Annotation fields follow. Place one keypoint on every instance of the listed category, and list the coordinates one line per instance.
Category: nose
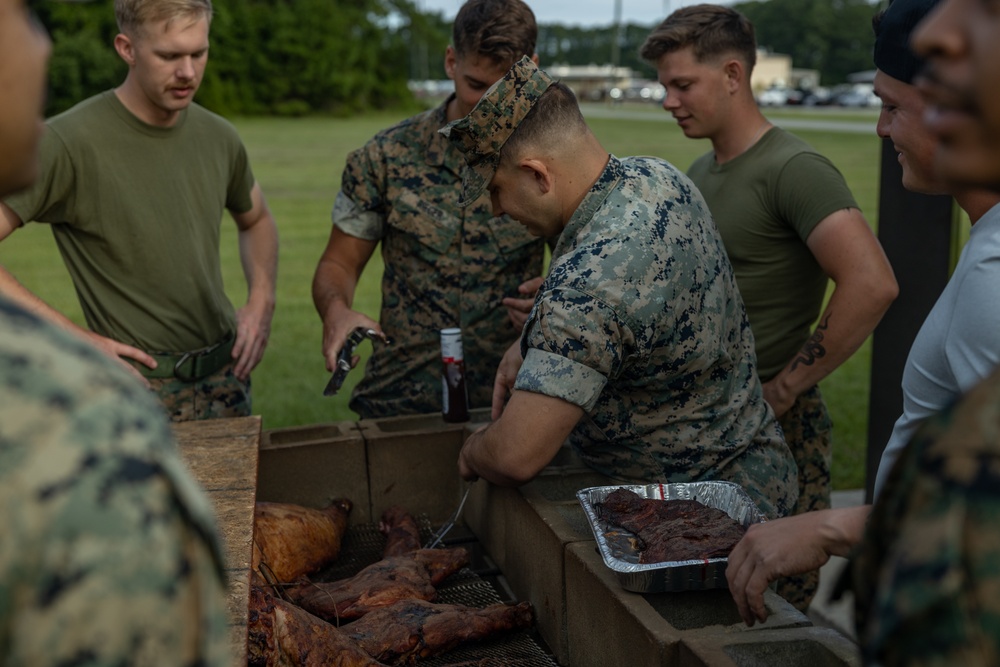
(185, 68)
(883, 124)
(670, 102)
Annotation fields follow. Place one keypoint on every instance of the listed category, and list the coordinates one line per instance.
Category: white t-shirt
(958, 344)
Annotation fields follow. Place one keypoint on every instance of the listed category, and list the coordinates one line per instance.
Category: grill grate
(363, 545)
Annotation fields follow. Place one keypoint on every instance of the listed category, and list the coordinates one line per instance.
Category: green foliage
(832, 36)
(273, 57)
(83, 60)
(341, 57)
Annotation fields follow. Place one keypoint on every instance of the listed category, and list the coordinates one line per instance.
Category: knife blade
(346, 354)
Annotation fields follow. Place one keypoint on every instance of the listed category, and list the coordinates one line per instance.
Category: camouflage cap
(482, 134)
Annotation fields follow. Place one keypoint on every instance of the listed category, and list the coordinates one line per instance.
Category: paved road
(863, 125)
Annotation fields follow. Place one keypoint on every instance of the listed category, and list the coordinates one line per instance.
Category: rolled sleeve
(350, 219)
(554, 375)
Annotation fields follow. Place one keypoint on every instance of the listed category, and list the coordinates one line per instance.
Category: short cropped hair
(133, 15)
(555, 115)
(712, 31)
(501, 30)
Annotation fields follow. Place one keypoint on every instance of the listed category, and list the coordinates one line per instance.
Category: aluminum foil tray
(616, 544)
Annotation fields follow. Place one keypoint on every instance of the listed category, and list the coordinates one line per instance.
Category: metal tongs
(347, 354)
(450, 523)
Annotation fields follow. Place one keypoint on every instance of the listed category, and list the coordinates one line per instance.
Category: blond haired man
(134, 182)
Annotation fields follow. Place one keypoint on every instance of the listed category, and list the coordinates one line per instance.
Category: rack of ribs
(671, 530)
(410, 629)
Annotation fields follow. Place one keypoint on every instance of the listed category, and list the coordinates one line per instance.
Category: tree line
(340, 57)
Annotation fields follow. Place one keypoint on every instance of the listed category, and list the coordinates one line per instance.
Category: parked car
(776, 96)
(859, 95)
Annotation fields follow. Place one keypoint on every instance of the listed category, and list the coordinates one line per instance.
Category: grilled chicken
(282, 635)
(410, 629)
(402, 535)
(672, 530)
(380, 584)
(291, 541)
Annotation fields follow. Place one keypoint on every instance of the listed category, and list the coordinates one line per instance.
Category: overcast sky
(582, 12)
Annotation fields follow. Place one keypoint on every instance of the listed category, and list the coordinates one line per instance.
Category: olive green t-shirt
(765, 203)
(136, 212)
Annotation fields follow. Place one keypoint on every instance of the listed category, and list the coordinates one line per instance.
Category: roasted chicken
(291, 541)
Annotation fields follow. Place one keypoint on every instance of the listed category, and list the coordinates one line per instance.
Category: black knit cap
(892, 38)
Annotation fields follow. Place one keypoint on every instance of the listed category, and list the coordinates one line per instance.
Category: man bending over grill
(637, 348)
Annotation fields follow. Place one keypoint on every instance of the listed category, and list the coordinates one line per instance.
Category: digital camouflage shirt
(445, 266)
(927, 573)
(109, 554)
(639, 322)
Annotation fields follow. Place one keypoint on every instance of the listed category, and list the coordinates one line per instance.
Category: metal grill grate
(363, 545)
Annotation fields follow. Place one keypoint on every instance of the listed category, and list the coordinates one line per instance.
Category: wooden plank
(222, 455)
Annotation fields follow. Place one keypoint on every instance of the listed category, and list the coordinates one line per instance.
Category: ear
(125, 48)
(450, 59)
(540, 172)
(734, 71)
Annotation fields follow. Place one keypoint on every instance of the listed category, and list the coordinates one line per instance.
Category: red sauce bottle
(455, 393)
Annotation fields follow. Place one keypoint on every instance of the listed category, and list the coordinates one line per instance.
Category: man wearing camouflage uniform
(445, 265)
(637, 348)
(109, 554)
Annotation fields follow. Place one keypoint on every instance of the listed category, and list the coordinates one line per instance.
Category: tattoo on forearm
(813, 349)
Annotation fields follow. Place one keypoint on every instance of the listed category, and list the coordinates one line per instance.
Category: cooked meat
(672, 530)
(282, 635)
(380, 584)
(410, 629)
(441, 563)
(291, 541)
(402, 535)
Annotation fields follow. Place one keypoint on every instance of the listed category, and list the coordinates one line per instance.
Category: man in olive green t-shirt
(789, 223)
(134, 183)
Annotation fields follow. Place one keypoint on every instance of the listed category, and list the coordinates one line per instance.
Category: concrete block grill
(533, 543)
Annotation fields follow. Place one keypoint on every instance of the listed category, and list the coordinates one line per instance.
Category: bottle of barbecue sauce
(455, 393)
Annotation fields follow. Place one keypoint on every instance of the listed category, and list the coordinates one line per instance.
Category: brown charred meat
(441, 563)
(672, 530)
(291, 541)
(379, 585)
(282, 635)
(402, 535)
(410, 629)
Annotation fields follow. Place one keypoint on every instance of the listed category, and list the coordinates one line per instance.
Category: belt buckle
(187, 356)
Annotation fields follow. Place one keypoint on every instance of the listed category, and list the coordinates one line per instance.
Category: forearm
(523, 440)
(259, 258)
(333, 288)
(482, 456)
(848, 319)
(842, 529)
(15, 291)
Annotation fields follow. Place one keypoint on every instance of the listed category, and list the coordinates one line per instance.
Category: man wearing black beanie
(918, 533)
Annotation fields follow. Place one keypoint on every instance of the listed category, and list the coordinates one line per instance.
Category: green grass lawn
(298, 162)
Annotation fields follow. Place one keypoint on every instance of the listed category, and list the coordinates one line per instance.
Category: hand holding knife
(346, 355)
